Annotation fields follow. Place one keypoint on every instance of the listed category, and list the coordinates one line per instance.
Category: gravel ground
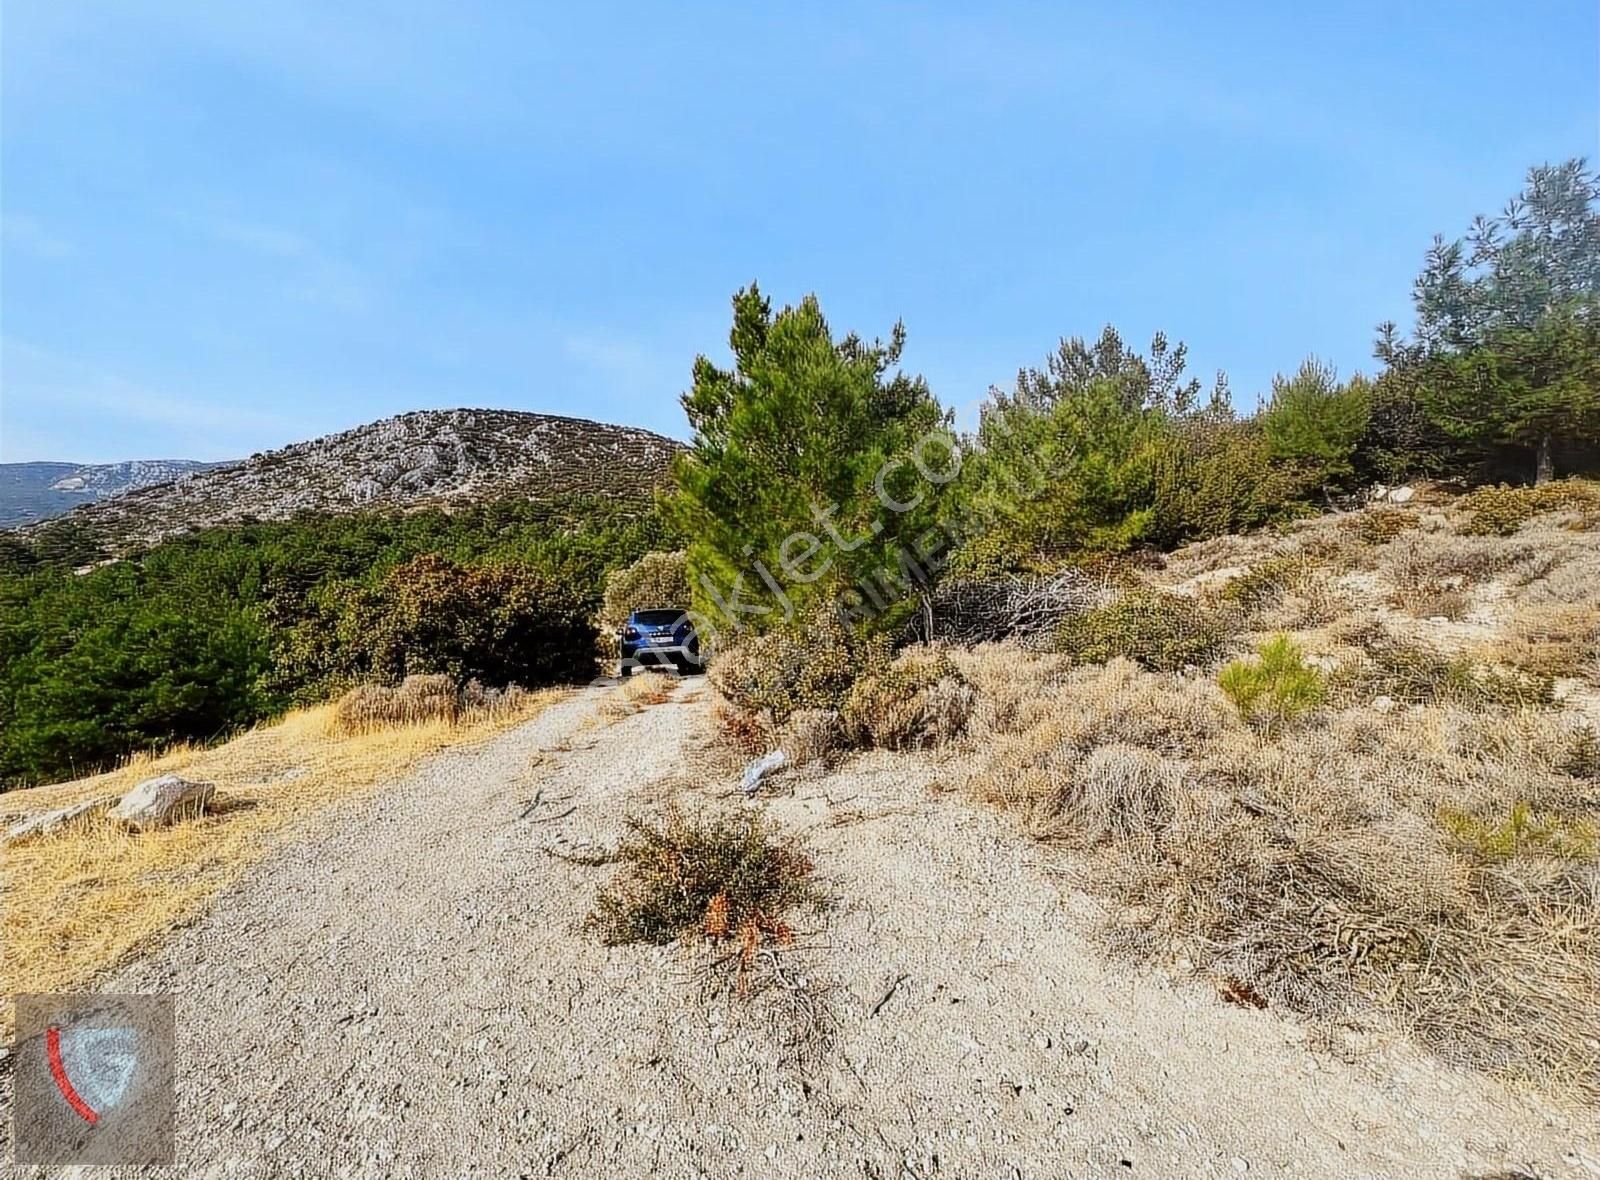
(410, 992)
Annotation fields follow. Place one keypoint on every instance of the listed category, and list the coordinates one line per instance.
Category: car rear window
(657, 618)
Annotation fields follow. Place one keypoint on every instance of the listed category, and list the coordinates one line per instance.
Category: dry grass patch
(1426, 562)
(1433, 867)
(80, 901)
(1553, 641)
(424, 700)
(1413, 672)
(637, 692)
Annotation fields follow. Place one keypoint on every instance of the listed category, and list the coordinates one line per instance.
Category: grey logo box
(92, 1079)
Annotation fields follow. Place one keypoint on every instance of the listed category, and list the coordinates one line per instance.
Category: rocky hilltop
(424, 458)
(31, 492)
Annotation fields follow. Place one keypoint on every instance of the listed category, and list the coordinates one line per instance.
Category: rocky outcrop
(425, 458)
(159, 801)
(53, 821)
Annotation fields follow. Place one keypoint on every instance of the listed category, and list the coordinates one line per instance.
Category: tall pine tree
(817, 475)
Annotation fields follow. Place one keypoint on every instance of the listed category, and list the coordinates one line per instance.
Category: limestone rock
(158, 801)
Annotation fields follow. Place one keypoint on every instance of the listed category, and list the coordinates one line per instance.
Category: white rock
(50, 821)
(1401, 495)
(1383, 704)
(157, 800)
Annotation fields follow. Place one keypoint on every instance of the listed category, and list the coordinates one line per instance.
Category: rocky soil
(411, 992)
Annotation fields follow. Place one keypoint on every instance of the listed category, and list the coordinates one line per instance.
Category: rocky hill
(31, 492)
(424, 458)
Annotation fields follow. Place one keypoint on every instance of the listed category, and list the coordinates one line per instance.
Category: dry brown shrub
(811, 737)
(919, 699)
(1004, 678)
(1315, 602)
(1316, 868)
(1553, 640)
(709, 876)
(812, 666)
(745, 731)
(1423, 562)
(1379, 524)
(1436, 602)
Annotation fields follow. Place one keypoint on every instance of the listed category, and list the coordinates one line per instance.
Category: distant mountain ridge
(31, 492)
(423, 458)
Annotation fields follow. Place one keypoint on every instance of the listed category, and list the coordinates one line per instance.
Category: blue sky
(228, 227)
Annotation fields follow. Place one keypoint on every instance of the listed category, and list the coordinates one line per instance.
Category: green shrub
(1315, 423)
(1265, 584)
(1523, 831)
(717, 877)
(1417, 674)
(655, 580)
(1212, 478)
(1379, 526)
(812, 666)
(1163, 632)
(1500, 511)
(1277, 686)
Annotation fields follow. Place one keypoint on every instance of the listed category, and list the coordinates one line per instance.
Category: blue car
(659, 638)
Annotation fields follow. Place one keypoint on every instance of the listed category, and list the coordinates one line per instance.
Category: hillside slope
(383, 1018)
(427, 457)
(32, 492)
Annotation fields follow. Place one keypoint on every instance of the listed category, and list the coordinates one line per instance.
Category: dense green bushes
(200, 636)
(96, 667)
(499, 623)
(1163, 632)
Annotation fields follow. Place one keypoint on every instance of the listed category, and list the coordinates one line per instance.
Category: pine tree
(816, 475)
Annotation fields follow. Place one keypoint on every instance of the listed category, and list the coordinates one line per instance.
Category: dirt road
(410, 992)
